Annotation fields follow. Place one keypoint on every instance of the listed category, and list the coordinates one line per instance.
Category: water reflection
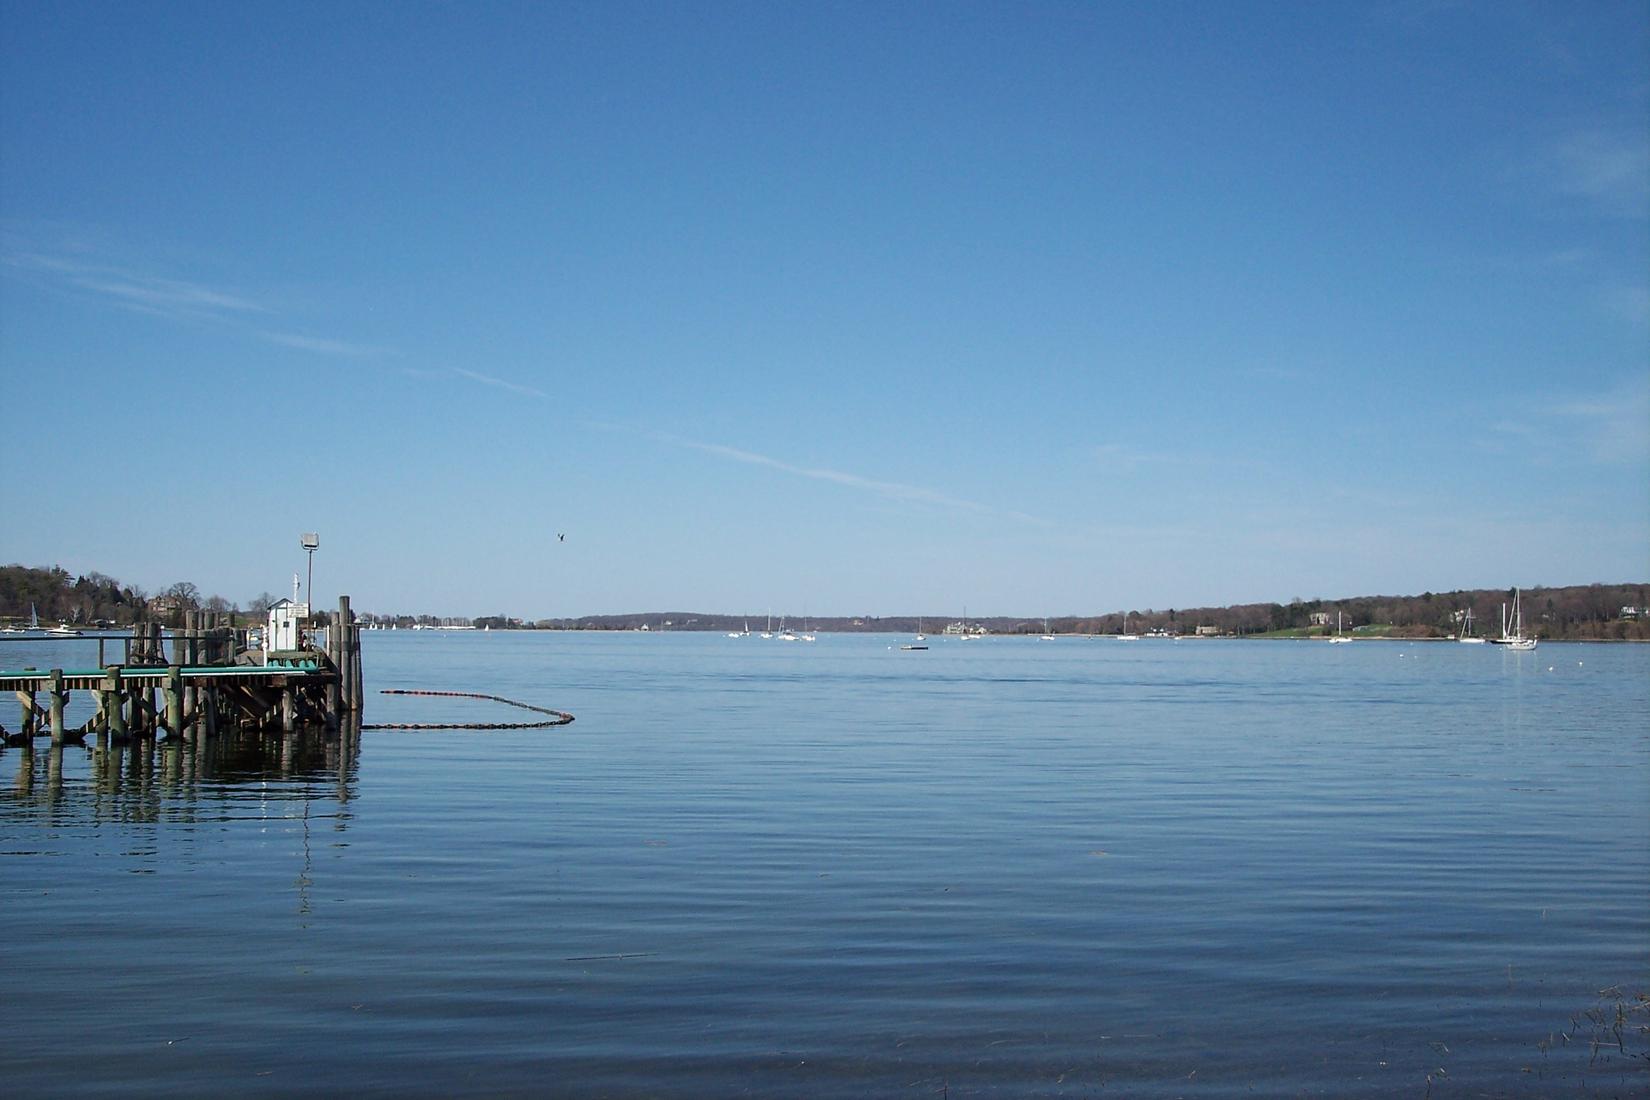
(150, 779)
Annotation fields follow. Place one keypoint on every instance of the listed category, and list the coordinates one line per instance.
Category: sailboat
(1512, 627)
(920, 637)
(745, 633)
(1467, 636)
(1126, 636)
(1339, 637)
(1047, 637)
(768, 632)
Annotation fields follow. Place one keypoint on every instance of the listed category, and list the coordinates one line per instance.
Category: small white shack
(286, 618)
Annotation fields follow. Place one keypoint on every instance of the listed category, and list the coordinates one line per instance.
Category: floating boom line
(557, 717)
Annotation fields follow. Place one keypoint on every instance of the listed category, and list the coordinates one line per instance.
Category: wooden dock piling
(114, 703)
(198, 683)
(56, 700)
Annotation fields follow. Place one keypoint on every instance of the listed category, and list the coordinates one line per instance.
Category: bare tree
(185, 593)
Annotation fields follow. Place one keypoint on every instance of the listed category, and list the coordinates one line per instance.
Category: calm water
(996, 868)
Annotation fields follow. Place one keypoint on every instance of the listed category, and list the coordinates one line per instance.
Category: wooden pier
(208, 682)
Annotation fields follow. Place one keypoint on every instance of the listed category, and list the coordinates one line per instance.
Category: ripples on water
(1010, 867)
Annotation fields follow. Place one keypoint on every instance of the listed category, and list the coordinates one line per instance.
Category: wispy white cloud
(1608, 171)
(1610, 427)
(890, 490)
(85, 270)
(137, 290)
(324, 346)
(1613, 426)
(500, 383)
(1116, 456)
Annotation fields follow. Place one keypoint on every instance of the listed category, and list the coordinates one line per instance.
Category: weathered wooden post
(355, 666)
(114, 703)
(57, 698)
(174, 700)
(346, 686)
(188, 655)
(25, 697)
(334, 690)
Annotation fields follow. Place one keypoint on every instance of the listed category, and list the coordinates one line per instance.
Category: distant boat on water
(1125, 636)
(1512, 626)
(1339, 637)
(1047, 637)
(64, 630)
(1467, 636)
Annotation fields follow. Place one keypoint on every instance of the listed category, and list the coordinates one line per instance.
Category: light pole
(310, 542)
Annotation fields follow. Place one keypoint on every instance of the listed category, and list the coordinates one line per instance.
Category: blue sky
(834, 309)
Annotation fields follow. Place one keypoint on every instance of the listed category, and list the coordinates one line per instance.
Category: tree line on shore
(1575, 612)
(1605, 612)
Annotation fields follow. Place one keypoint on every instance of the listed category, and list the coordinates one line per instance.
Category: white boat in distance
(1339, 637)
(1126, 636)
(1512, 627)
(1467, 636)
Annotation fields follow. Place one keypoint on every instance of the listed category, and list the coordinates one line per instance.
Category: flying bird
(561, 537)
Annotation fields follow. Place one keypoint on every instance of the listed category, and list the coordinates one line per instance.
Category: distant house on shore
(1320, 618)
(167, 605)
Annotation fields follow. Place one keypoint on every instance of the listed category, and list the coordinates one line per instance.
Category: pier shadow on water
(148, 779)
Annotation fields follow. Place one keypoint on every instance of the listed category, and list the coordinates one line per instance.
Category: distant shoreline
(1591, 612)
